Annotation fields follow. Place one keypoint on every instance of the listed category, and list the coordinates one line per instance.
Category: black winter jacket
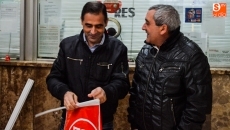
(172, 87)
(79, 70)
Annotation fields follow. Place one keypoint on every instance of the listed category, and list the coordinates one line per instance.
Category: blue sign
(193, 15)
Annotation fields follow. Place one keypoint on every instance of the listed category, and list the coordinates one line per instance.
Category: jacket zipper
(148, 84)
(172, 109)
(80, 60)
(104, 64)
(145, 95)
(168, 68)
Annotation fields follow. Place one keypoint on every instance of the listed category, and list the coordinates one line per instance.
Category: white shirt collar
(101, 43)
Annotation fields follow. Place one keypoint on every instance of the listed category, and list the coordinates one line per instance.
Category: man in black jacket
(91, 65)
(172, 84)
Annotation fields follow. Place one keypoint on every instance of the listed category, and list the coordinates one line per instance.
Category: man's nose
(93, 30)
(143, 27)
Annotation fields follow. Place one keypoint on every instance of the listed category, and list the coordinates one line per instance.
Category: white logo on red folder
(87, 122)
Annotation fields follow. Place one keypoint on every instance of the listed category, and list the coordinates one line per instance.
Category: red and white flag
(86, 117)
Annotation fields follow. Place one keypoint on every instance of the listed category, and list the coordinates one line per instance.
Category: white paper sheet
(50, 12)
(48, 40)
(9, 16)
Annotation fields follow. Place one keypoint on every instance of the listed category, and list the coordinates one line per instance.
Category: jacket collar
(81, 38)
(171, 41)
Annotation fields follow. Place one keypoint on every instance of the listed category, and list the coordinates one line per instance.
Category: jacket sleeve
(56, 80)
(198, 82)
(119, 83)
(132, 103)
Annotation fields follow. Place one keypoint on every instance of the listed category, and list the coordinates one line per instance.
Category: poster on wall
(49, 28)
(9, 16)
(48, 40)
(50, 12)
(219, 57)
(193, 15)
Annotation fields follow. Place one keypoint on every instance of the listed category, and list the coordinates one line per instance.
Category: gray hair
(166, 14)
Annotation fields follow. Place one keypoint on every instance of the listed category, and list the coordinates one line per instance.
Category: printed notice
(219, 57)
(193, 15)
(50, 12)
(9, 16)
(48, 40)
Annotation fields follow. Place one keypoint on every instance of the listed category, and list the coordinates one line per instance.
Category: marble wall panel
(13, 77)
(43, 101)
(120, 117)
(221, 102)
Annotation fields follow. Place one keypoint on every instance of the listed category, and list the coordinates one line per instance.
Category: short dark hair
(94, 7)
(111, 31)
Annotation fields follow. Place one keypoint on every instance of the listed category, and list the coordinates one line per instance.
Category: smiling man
(91, 65)
(172, 84)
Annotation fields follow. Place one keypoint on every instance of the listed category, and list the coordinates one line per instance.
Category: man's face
(152, 30)
(94, 27)
(190, 15)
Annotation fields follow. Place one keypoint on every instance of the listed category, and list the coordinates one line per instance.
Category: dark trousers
(106, 126)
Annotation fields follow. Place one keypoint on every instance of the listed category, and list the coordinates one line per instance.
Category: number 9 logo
(216, 7)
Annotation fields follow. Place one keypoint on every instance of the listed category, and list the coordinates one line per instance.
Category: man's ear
(163, 29)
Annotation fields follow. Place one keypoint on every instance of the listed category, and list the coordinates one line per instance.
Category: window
(10, 28)
(61, 18)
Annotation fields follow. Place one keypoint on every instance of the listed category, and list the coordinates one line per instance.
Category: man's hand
(70, 100)
(98, 93)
